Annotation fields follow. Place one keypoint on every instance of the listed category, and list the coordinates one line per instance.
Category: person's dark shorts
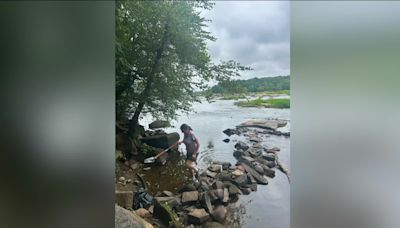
(190, 158)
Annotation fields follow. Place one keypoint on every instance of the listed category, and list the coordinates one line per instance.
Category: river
(269, 206)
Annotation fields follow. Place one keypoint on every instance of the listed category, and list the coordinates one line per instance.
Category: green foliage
(279, 83)
(162, 57)
(270, 103)
(146, 150)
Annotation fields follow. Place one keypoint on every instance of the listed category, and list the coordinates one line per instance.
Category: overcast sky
(254, 33)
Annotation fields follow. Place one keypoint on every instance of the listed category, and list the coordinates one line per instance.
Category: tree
(162, 57)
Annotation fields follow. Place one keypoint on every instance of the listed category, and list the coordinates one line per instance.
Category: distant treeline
(254, 85)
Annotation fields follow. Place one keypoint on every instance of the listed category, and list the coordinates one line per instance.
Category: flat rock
(124, 199)
(240, 180)
(269, 172)
(269, 157)
(225, 176)
(206, 202)
(188, 197)
(247, 158)
(216, 194)
(211, 174)
(255, 139)
(226, 196)
(259, 178)
(241, 145)
(163, 199)
(198, 216)
(215, 168)
(265, 124)
(217, 185)
(167, 193)
(237, 172)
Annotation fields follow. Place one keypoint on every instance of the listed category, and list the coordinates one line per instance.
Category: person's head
(186, 128)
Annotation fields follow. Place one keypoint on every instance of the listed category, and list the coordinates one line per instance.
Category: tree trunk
(133, 123)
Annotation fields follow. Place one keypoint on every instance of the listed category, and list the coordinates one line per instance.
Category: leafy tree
(162, 57)
(254, 85)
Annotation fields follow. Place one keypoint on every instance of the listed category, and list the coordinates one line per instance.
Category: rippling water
(270, 205)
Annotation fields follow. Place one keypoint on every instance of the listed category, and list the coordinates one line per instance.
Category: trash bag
(142, 199)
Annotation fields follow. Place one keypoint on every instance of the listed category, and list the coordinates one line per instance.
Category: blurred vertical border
(345, 113)
(57, 114)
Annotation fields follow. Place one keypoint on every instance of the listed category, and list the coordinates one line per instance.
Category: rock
(176, 202)
(271, 164)
(225, 176)
(187, 188)
(257, 167)
(230, 131)
(255, 152)
(259, 178)
(128, 181)
(143, 213)
(246, 191)
(238, 153)
(215, 168)
(226, 196)
(217, 185)
(265, 124)
(219, 213)
(124, 199)
(247, 158)
(234, 190)
(189, 197)
(165, 214)
(213, 225)
(240, 180)
(273, 150)
(162, 199)
(226, 165)
(161, 141)
(255, 139)
(253, 182)
(257, 146)
(198, 216)
(226, 140)
(137, 182)
(206, 202)
(241, 145)
(269, 172)
(237, 172)
(287, 134)
(190, 226)
(240, 167)
(167, 193)
(127, 219)
(269, 157)
(146, 168)
(159, 124)
(216, 194)
(211, 174)
(151, 209)
(121, 179)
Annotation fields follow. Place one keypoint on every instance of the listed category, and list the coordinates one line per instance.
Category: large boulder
(124, 199)
(127, 219)
(161, 141)
(265, 124)
(159, 124)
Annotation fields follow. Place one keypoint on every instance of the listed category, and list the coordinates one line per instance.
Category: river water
(269, 206)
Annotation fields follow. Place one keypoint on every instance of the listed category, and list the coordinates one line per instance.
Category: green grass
(232, 97)
(270, 103)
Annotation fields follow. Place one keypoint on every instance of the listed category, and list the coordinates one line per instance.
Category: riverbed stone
(234, 190)
(206, 202)
(240, 180)
(189, 197)
(237, 173)
(215, 168)
(269, 172)
(162, 199)
(126, 219)
(167, 193)
(219, 213)
(198, 216)
(247, 158)
(226, 140)
(269, 157)
(211, 174)
(217, 185)
(255, 139)
(241, 145)
(246, 191)
(226, 196)
(124, 199)
(225, 176)
(230, 131)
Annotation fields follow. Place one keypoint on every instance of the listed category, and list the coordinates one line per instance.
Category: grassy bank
(270, 103)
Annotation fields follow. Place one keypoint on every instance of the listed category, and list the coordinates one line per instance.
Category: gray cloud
(254, 33)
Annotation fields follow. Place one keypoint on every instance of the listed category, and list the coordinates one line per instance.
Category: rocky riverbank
(207, 203)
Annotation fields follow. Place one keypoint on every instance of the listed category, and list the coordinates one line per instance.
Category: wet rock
(230, 131)
(252, 181)
(271, 164)
(247, 158)
(269, 157)
(255, 139)
(146, 168)
(269, 172)
(219, 213)
(189, 197)
(127, 219)
(143, 213)
(240, 167)
(124, 199)
(238, 153)
(213, 225)
(259, 178)
(265, 124)
(257, 146)
(159, 124)
(216, 194)
(258, 168)
(215, 168)
(255, 152)
(226, 165)
(241, 145)
(246, 191)
(226, 140)
(167, 193)
(273, 150)
(240, 180)
(198, 216)
(287, 134)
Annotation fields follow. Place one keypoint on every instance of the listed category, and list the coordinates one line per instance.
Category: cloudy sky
(254, 33)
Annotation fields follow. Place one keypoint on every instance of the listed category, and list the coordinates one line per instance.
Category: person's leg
(189, 164)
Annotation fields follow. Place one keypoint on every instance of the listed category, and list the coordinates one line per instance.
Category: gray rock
(240, 180)
(159, 124)
(198, 216)
(143, 213)
(217, 185)
(241, 145)
(127, 219)
(234, 190)
(246, 191)
(226, 196)
(146, 168)
(215, 168)
(162, 199)
(225, 176)
(247, 158)
(216, 194)
(255, 139)
(121, 179)
(255, 152)
(219, 213)
(269, 172)
(259, 178)
(226, 140)
(167, 193)
(269, 157)
(124, 199)
(206, 202)
(211, 174)
(187, 188)
(230, 131)
(238, 153)
(189, 197)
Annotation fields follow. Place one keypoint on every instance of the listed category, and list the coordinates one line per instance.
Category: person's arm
(197, 144)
